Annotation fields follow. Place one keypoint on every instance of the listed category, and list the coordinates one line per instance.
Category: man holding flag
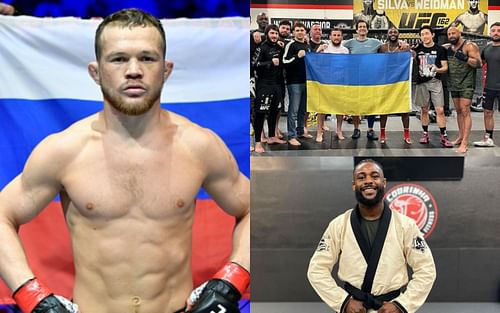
(334, 46)
(359, 83)
(393, 45)
(363, 44)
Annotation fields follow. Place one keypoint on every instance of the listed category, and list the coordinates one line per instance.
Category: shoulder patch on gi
(323, 246)
(419, 244)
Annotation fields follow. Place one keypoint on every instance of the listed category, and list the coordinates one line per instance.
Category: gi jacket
(403, 245)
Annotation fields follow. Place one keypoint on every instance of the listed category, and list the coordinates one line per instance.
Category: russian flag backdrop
(45, 87)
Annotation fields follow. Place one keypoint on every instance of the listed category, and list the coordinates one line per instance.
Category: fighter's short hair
(128, 18)
(299, 24)
(286, 22)
(271, 27)
(425, 27)
(364, 161)
(336, 29)
(495, 24)
(362, 21)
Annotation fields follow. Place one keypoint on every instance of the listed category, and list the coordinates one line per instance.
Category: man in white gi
(373, 246)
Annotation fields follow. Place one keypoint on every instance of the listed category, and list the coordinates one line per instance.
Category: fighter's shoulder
(403, 220)
(383, 47)
(61, 147)
(195, 136)
(341, 220)
(459, 18)
(471, 45)
(80, 132)
(347, 42)
(487, 48)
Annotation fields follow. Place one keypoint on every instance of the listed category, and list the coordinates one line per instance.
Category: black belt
(370, 301)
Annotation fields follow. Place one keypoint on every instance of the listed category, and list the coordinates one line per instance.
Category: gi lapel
(372, 256)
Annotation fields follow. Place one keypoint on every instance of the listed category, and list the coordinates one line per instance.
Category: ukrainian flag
(359, 84)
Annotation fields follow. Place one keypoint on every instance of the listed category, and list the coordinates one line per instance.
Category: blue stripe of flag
(24, 123)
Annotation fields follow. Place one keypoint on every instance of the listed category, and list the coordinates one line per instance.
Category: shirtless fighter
(128, 178)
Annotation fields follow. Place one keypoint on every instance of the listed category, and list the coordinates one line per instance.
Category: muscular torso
(473, 23)
(129, 207)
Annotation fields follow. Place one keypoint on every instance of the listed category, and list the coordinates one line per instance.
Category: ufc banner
(468, 15)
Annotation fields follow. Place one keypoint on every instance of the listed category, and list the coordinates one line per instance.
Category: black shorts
(489, 98)
(268, 97)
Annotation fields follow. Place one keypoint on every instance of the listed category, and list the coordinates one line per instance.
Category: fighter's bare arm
(21, 200)
(231, 190)
(474, 55)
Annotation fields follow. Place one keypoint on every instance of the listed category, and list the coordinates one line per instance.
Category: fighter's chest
(155, 184)
(475, 21)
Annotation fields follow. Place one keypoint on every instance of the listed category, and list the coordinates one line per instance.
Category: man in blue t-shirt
(363, 44)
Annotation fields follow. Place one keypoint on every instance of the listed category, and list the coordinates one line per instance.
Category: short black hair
(271, 27)
(393, 27)
(336, 29)
(128, 18)
(362, 21)
(286, 22)
(495, 24)
(425, 27)
(364, 161)
(299, 24)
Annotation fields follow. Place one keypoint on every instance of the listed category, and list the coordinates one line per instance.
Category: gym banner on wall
(308, 22)
(469, 15)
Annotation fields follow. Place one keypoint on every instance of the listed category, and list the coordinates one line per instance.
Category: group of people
(278, 61)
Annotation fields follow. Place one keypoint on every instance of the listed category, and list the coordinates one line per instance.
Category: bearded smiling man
(128, 177)
(372, 246)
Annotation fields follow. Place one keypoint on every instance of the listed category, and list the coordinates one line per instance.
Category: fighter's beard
(370, 202)
(120, 104)
(495, 39)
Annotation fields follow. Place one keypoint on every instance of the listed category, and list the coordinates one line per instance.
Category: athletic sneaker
(356, 134)
(371, 135)
(382, 138)
(424, 139)
(486, 142)
(445, 142)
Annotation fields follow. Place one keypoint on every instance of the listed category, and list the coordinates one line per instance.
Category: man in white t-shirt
(333, 46)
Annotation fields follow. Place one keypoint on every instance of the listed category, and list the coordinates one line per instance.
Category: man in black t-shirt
(432, 62)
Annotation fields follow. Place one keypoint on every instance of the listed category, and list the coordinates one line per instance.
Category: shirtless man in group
(128, 177)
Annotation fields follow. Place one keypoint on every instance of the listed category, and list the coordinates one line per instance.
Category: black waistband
(370, 301)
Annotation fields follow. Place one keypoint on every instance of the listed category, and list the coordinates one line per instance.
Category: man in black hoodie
(269, 70)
